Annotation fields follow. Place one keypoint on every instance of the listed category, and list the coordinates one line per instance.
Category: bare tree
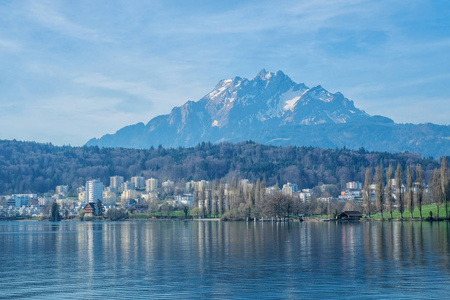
(214, 198)
(366, 191)
(409, 191)
(419, 193)
(220, 197)
(399, 191)
(389, 190)
(279, 205)
(444, 184)
(379, 197)
(436, 190)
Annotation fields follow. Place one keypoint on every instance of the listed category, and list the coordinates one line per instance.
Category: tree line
(29, 167)
(407, 194)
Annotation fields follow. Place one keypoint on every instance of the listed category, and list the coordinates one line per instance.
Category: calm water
(163, 259)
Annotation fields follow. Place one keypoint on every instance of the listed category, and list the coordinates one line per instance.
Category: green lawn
(173, 214)
(407, 215)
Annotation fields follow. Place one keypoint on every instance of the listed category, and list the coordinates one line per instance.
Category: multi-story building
(138, 181)
(94, 191)
(23, 199)
(116, 182)
(185, 199)
(62, 189)
(289, 189)
(109, 198)
(306, 195)
(272, 190)
(128, 185)
(189, 186)
(168, 186)
(151, 185)
(353, 185)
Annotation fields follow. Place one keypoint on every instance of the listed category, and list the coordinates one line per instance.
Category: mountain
(272, 109)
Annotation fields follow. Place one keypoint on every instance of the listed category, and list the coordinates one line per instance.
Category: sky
(74, 70)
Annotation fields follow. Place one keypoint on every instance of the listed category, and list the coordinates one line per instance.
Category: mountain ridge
(273, 109)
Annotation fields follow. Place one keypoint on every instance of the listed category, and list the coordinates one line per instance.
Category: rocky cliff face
(273, 109)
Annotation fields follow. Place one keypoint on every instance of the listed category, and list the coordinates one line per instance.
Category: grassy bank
(407, 215)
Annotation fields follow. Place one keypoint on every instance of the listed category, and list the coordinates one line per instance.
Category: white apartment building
(168, 185)
(151, 185)
(139, 181)
(116, 182)
(353, 185)
(23, 199)
(94, 191)
(289, 189)
(109, 198)
(128, 185)
(62, 189)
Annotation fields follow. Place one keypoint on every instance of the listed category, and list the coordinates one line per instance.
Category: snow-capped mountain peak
(274, 96)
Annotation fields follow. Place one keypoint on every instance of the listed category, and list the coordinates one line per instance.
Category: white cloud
(130, 61)
(139, 89)
(46, 14)
(10, 45)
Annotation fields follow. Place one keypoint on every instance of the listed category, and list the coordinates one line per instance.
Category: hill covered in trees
(33, 167)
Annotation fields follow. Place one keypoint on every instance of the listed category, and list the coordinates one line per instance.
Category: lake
(213, 259)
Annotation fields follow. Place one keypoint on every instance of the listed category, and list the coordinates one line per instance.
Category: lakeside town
(140, 195)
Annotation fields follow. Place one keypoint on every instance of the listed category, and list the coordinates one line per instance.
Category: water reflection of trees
(406, 243)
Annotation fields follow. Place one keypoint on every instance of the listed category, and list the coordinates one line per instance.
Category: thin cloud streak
(126, 62)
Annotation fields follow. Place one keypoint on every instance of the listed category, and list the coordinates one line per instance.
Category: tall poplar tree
(220, 197)
(419, 193)
(379, 197)
(399, 191)
(409, 191)
(214, 198)
(436, 190)
(444, 184)
(389, 190)
(366, 191)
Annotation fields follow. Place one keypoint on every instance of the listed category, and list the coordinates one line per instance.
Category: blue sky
(73, 70)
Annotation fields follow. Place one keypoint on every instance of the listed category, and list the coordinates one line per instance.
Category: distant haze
(73, 70)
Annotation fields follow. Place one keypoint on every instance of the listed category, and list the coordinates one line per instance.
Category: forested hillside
(33, 167)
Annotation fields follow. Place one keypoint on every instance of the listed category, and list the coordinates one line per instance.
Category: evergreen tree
(54, 214)
(100, 208)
